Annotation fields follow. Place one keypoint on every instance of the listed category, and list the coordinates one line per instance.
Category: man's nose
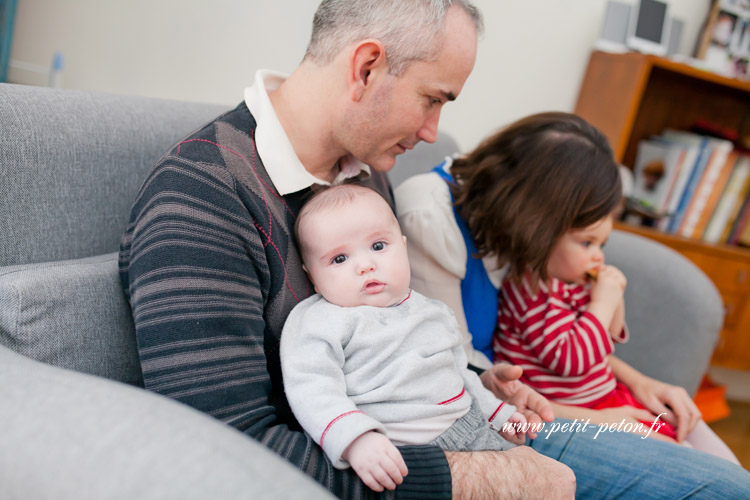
(428, 131)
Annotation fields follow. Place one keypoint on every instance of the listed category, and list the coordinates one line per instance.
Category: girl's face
(578, 251)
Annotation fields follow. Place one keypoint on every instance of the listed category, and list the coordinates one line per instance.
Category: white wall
(532, 57)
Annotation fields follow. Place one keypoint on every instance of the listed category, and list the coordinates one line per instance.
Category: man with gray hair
(211, 270)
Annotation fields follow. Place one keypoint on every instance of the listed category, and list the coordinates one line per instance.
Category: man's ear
(367, 59)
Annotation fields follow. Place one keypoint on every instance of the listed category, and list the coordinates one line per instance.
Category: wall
(532, 57)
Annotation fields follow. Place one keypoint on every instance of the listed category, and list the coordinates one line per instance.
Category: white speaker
(675, 33)
(614, 28)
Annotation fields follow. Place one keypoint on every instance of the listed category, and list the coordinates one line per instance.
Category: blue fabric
(479, 295)
(624, 466)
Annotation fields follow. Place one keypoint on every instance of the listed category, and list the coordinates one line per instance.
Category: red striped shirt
(561, 347)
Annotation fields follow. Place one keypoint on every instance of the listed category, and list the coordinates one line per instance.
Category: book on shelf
(716, 164)
(730, 203)
(743, 238)
(696, 186)
(740, 222)
(679, 183)
(690, 197)
(714, 195)
(655, 173)
(735, 213)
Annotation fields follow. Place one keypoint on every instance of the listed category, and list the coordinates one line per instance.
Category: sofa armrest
(70, 435)
(673, 310)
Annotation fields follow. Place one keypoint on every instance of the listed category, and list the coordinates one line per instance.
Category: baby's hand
(513, 429)
(609, 286)
(377, 462)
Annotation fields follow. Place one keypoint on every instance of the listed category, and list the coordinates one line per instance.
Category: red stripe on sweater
(454, 398)
(405, 298)
(333, 422)
(492, 417)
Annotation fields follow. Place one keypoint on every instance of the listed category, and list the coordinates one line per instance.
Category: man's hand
(377, 462)
(502, 380)
(519, 473)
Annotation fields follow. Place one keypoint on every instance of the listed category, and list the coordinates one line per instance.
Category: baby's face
(356, 255)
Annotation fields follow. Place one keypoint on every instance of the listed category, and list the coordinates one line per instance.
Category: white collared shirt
(282, 164)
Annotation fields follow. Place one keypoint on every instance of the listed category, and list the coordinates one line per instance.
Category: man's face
(398, 112)
(356, 255)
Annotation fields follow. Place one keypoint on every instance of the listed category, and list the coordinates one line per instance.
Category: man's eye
(339, 259)
(378, 246)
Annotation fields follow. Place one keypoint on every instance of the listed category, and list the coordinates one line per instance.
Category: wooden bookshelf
(632, 96)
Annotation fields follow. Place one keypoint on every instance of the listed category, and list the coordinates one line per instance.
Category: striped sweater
(211, 271)
(561, 347)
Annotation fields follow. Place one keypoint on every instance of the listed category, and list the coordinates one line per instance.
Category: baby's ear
(404, 237)
(304, 268)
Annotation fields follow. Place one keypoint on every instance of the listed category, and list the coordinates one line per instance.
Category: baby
(369, 364)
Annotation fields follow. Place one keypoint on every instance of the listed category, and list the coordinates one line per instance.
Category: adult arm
(519, 473)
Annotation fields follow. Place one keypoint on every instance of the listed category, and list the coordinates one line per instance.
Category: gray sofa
(75, 422)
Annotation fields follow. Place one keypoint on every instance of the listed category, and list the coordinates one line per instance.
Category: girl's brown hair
(527, 185)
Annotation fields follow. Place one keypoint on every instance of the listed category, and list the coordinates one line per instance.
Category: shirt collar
(281, 162)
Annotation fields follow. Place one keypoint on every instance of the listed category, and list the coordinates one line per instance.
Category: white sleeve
(437, 252)
(312, 361)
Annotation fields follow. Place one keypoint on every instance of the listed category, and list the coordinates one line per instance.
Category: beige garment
(437, 253)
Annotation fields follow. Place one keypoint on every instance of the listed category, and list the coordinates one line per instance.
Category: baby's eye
(339, 259)
(586, 244)
(378, 246)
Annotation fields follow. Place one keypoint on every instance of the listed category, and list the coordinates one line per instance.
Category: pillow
(72, 314)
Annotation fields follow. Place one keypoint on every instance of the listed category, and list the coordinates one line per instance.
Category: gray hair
(408, 29)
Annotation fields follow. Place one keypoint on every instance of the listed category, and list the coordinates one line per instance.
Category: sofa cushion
(71, 314)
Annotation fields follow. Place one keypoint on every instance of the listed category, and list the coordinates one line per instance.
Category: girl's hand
(660, 397)
(607, 293)
(609, 287)
(631, 415)
(377, 462)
